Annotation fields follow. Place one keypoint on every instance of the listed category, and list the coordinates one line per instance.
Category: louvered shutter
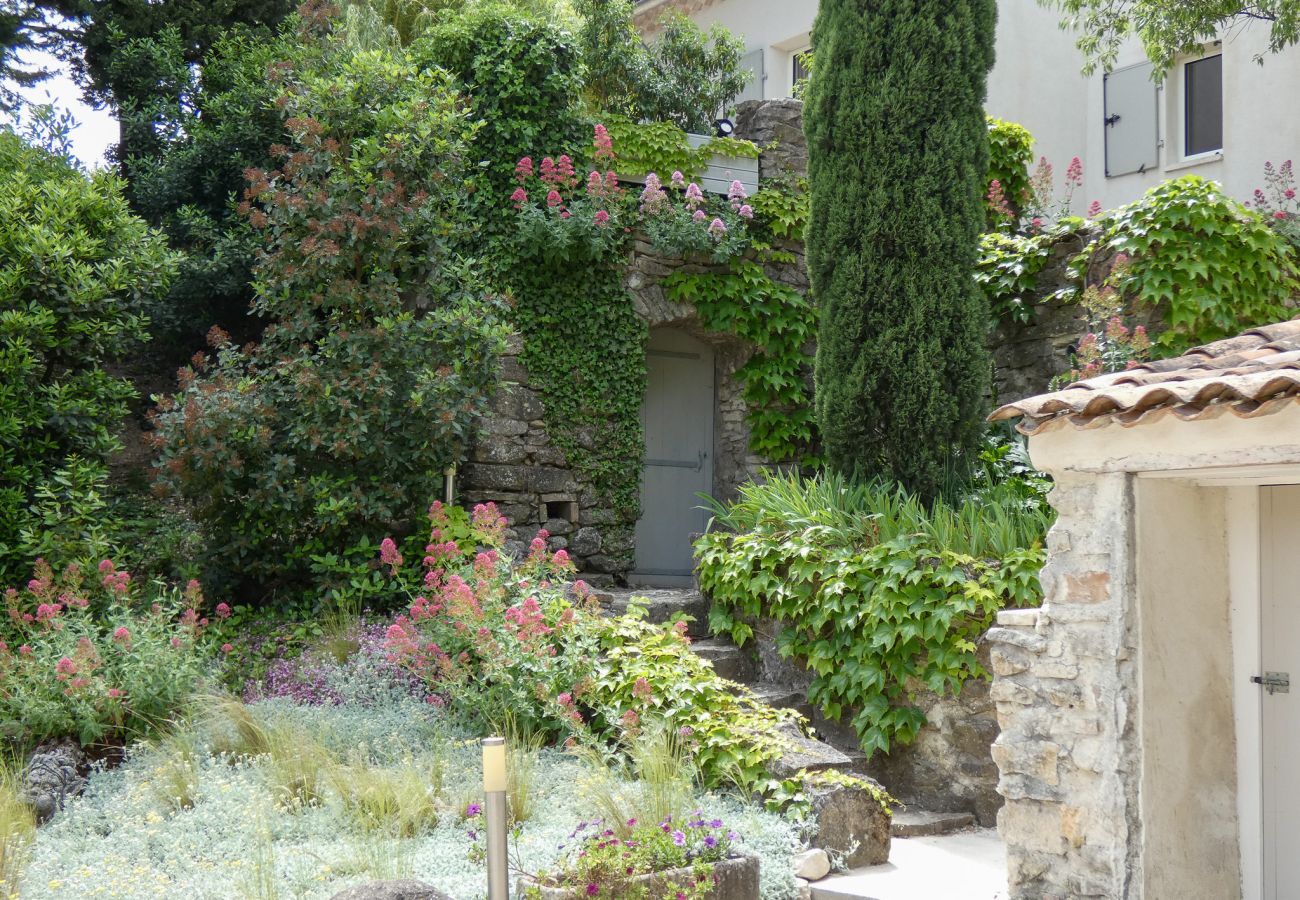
(752, 62)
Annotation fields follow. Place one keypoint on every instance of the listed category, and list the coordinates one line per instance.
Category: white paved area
(968, 865)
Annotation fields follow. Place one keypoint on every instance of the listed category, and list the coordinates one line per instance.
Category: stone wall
(1065, 690)
(516, 464)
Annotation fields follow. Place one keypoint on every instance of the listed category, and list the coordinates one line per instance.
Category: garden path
(967, 865)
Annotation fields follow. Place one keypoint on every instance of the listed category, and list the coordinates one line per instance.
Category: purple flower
(472, 810)
(746, 211)
(678, 179)
(699, 215)
(694, 196)
(710, 841)
(717, 228)
(716, 823)
(679, 838)
(593, 890)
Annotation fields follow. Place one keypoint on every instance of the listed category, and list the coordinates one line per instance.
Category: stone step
(923, 823)
(661, 605)
(727, 659)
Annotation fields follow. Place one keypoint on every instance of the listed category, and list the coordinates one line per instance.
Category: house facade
(1148, 723)
(1218, 114)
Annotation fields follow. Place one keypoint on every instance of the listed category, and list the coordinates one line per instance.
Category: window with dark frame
(1203, 106)
(798, 71)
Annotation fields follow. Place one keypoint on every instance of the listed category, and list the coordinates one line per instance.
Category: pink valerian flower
(115, 693)
(65, 667)
(47, 612)
(548, 170)
(519, 197)
(678, 180)
(603, 144)
(223, 611)
(595, 184)
(600, 218)
(564, 171)
(24, 650)
(489, 522)
(121, 635)
(699, 216)
(642, 690)
(997, 200)
(560, 560)
(1094, 209)
(736, 195)
(389, 554)
(717, 228)
(746, 211)
(694, 196)
(565, 700)
(227, 648)
(1074, 172)
(106, 567)
(553, 199)
(653, 197)
(524, 169)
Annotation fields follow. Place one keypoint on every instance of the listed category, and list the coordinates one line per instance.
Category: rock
(51, 776)
(802, 891)
(405, 889)
(849, 822)
(805, 754)
(811, 865)
(586, 542)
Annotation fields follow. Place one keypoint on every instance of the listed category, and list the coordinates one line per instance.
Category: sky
(96, 129)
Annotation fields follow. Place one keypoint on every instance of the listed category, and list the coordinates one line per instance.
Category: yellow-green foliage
(400, 800)
(17, 831)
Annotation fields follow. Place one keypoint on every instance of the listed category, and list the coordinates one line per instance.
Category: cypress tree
(897, 153)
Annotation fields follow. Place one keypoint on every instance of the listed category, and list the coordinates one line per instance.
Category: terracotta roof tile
(1253, 374)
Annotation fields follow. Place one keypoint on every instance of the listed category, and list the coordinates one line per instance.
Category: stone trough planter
(734, 879)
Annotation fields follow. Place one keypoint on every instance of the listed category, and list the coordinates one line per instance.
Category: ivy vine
(780, 322)
(663, 147)
(1209, 264)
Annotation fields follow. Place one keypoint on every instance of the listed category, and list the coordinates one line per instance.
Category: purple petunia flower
(679, 838)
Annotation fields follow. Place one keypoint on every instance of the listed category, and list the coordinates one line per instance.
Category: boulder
(849, 821)
(405, 889)
(812, 864)
(52, 775)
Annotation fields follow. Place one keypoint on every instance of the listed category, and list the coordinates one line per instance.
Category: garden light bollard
(494, 808)
(449, 485)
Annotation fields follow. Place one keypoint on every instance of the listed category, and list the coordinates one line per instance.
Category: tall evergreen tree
(897, 151)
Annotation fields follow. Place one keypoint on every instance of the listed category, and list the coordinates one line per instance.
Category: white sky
(96, 129)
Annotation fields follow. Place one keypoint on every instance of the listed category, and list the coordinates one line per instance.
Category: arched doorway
(678, 420)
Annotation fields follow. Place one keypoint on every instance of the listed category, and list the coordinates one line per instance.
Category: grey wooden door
(678, 466)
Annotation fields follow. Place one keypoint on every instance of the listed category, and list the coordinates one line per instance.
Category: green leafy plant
(658, 146)
(77, 271)
(877, 594)
(17, 829)
(95, 656)
(1011, 151)
(382, 351)
(1213, 266)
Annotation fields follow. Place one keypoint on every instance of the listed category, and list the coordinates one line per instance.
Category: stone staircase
(740, 666)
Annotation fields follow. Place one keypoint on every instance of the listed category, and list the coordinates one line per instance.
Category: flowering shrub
(681, 219)
(1279, 202)
(603, 864)
(561, 221)
(1109, 345)
(92, 655)
(497, 640)
(382, 351)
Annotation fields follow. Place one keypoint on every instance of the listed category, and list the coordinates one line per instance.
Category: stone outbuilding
(1149, 734)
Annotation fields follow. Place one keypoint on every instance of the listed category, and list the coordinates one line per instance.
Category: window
(1203, 106)
(799, 65)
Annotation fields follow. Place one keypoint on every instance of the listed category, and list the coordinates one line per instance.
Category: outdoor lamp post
(449, 484)
(494, 808)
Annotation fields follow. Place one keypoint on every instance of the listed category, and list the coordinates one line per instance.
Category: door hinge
(1274, 682)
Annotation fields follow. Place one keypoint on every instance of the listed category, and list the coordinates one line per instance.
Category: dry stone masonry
(1064, 685)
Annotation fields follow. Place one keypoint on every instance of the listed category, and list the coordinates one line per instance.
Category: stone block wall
(1065, 692)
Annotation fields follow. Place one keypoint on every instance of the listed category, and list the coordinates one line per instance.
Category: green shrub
(897, 160)
(1213, 266)
(381, 352)
(77, 271)
(1011, 152)
(96, 656)
(686, 76)
(504, 644)
(877, 594)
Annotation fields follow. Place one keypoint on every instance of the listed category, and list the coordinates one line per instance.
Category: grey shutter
(1132, 121)
(753, 63)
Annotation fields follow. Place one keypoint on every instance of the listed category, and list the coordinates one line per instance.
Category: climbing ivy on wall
(780, 322)
(1209, 264)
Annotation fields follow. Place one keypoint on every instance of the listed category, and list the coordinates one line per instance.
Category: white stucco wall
(1037, 82)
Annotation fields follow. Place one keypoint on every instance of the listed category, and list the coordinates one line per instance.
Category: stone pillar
(1066, 694)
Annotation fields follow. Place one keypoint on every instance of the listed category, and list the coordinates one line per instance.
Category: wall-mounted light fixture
(724, 128)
